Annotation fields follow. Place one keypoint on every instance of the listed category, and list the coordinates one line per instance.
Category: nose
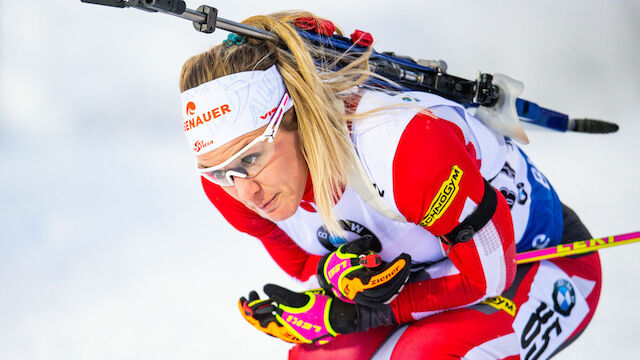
(248, 190)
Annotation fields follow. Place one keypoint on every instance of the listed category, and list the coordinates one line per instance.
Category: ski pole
(577, 247)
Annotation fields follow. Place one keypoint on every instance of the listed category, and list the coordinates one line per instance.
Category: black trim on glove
(342, 316)
(369, 317)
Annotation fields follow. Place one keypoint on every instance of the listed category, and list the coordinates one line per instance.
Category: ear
(289, 120)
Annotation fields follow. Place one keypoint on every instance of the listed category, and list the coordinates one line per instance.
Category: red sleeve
(435, 180)
(286, 253)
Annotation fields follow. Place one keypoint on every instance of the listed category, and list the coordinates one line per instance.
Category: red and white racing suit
(430, 167)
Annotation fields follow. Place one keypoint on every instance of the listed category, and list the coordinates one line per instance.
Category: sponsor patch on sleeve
(444, 197)
(501, 303)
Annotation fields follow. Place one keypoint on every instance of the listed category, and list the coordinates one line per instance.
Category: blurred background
(109, 248)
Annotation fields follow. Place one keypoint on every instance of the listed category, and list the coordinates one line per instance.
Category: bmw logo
(354, 230)
(564, 297)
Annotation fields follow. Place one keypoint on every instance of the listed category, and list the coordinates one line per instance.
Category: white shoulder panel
(492, 147)
(376, 139)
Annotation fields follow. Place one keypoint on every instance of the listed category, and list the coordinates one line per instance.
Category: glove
(355, 274)
(259, 314)
(309, 317)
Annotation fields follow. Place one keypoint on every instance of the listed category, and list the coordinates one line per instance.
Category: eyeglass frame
(268, 135)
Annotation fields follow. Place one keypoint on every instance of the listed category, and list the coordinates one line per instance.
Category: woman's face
(275, 193)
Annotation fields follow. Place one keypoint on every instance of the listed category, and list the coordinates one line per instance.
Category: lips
(269, 205)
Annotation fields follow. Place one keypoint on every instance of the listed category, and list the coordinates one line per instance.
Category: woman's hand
(355, 274)
(309, 317)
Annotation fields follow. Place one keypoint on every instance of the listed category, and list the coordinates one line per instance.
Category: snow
(110, 250)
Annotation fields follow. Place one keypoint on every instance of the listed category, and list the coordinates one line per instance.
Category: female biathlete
(402, 207)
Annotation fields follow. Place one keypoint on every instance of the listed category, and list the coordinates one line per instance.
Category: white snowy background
(109, 248)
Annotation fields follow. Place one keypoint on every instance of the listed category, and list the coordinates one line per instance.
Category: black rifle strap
(476, 220)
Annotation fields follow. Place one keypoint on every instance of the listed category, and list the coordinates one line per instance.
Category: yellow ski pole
(578, 247)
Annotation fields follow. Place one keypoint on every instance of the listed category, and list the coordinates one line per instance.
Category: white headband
(223, 109)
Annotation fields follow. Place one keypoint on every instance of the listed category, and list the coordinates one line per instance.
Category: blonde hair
(317, 92)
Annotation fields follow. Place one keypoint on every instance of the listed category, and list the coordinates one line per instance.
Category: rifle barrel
(239, 28)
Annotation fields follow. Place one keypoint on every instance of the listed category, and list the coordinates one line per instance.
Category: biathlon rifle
(494, 96)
